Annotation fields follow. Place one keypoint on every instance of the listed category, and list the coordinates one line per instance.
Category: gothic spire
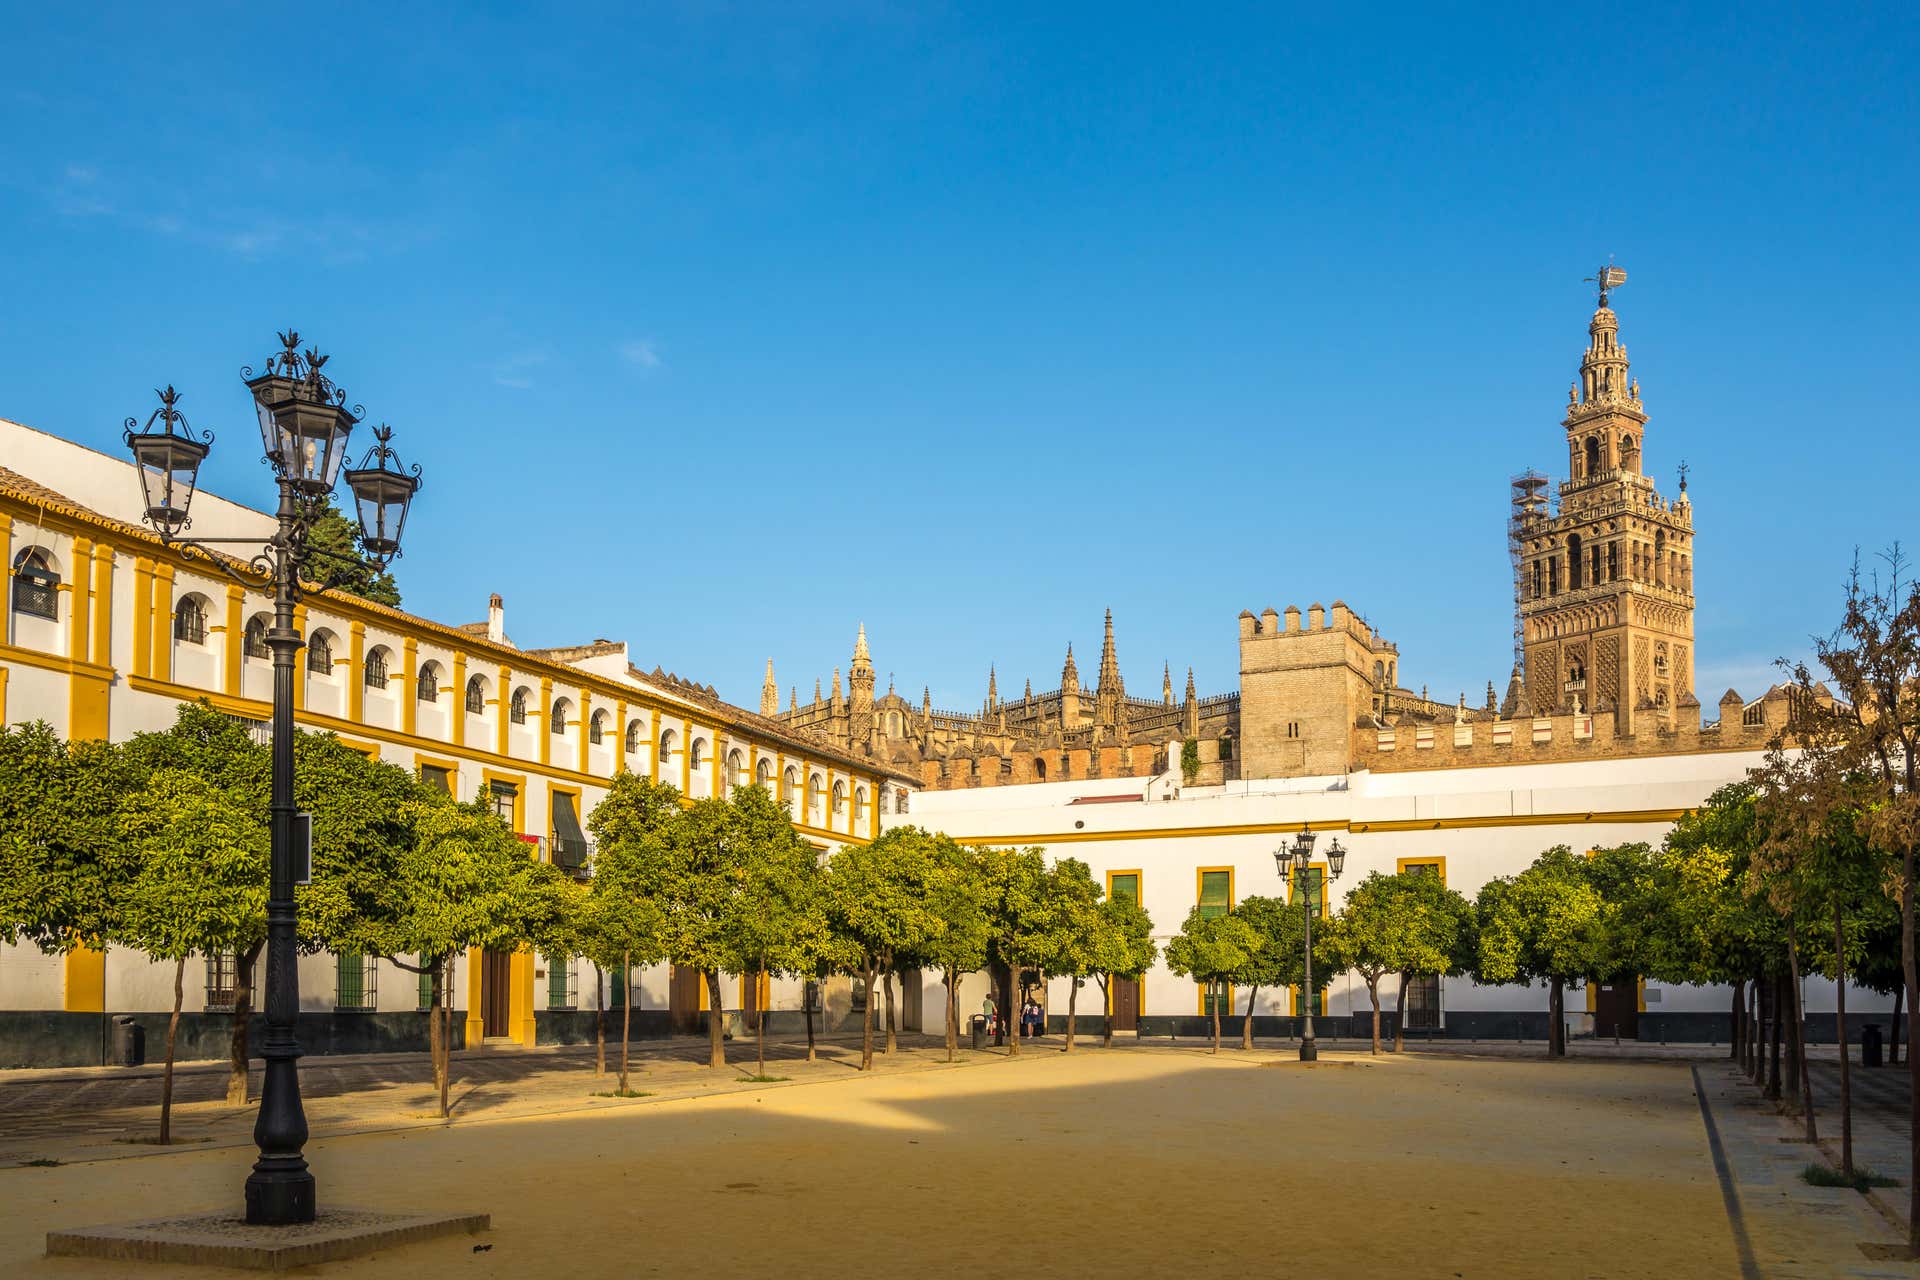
(993, 686)
(860, 653)
(1166, 683)
(1070, 674)
(1109, 662)
(1189, 684)
(769, 693)
(793, 698)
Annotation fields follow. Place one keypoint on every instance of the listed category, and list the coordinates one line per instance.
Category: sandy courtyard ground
(1142, 1163)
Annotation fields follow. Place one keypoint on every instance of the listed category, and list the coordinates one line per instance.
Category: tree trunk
(1765, 1010)
(866, 1020)
(892, 1041)
(716, 1022)
(1400, 1019)
(1216, 1016)
(237, 1052)
(1799, 1026)
(1373, 994)
(1736, 1043)
(1840, 1025)
(1073, 997)
(166, 1078)
(953, 1017)
(1893, 1041)
(1106, 1002)
(1910, 978)
(1556, 1019)
(809, 1004)
(1009, 1021)
(1773, 1044)
(440, 1034)
(599, 1022)
(626, 1014)
(1246, 1023)
(1790, 1034)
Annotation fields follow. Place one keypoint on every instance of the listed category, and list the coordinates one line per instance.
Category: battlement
(1743, 726)
(1319, 620)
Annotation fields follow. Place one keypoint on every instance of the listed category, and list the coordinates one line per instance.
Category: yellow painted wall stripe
(1356, 828)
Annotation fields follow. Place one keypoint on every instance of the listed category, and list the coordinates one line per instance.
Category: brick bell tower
(1606, 583)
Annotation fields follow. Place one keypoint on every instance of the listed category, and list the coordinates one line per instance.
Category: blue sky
(721, 328)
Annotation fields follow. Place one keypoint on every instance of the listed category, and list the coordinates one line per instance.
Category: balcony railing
(570, 852)
(36, 598)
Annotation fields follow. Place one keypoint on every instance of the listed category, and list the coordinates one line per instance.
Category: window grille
(559, 717)
(190, 622)
(428, 687)
(320, 654)
(476, 696)
(633, 738)
(595, 729)
(562, 991)
(256, 639)
(517, 709)
(376, 673)
(36, 587)
(223, 982)
(354, 983)
(426, 980)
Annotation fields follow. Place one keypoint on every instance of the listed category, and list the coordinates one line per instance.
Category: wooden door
(1616, 1009)
(683, 999)
(1126, 1004)
(496, 992)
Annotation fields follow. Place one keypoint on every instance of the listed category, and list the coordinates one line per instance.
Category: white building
(106, 631)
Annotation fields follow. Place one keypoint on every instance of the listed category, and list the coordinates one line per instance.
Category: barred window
(633, 737)
(320, 653)
(190, 621)
(36, 587)
(517, 709)
(476, 695)
(597, 728)
(559, 718)
(427, 689)
(256, 639)
(376, 671)
(223, 982)
(562, 993)
(354, 983)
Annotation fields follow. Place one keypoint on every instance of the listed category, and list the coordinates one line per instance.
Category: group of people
(1033, 1018)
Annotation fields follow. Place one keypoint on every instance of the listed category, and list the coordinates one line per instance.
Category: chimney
(496, 619)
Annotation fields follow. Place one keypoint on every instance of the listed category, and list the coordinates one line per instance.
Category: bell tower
(1606, 581)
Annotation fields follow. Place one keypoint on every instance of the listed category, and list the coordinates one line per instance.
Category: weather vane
(1608, 277)
(1683, 475)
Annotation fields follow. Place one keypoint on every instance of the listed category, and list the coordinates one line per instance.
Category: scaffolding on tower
(1528, 496)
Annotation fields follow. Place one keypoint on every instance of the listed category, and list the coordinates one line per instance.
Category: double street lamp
(1300, 858)
(304, 425)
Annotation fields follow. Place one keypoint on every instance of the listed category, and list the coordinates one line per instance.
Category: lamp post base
(280, 1197)
(1309, 1051)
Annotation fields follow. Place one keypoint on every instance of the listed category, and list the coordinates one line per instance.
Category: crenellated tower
(1606, 581)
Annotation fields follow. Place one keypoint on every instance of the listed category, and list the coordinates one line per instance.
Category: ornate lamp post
(304, 424)
(1301, 859)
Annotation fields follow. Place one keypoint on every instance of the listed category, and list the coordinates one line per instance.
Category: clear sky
(723, 327)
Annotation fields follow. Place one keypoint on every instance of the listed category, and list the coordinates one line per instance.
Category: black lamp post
(1302, 860)
(304, 424)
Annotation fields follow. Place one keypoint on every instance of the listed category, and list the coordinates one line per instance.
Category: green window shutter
(619, 996)
(1126, 889)
(1216, 893)
(350, 982)
(426, 983)
(558, 994)
(1314, 883)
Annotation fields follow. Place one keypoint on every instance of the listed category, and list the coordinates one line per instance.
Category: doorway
(1616, 1008)
(1125, 995)
(496, 993)
(683, 999)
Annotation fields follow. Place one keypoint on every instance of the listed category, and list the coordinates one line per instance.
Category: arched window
(320, 653)
(36, 587)
(764, 775)
(190, 621)
(1659, 557)
(561, 710)
(667, 742)
(1576, 566)
(1593, 456)
(427, 687)
(860, 804)
(517, 708)
(256, 639)
(839, 797)
(790, 785)
(597, 728)
(814, 789)
(376, 667)
(633, 737)
(698, 747)
(736, 769)
(1039, 769)
(476, 695)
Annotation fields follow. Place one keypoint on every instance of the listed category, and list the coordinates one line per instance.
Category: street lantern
(304, 420)
(1300, 855)
(169, 461)
(304, 423)
(1336, 858)
(382, 494)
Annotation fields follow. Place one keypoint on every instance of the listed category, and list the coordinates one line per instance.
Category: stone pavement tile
(1795, 1230)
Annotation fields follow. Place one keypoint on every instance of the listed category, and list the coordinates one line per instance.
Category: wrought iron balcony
(571, 852)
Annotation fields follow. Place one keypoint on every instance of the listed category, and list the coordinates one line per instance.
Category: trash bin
(129, 1042)
(978, 1024)
(1870, 1042)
